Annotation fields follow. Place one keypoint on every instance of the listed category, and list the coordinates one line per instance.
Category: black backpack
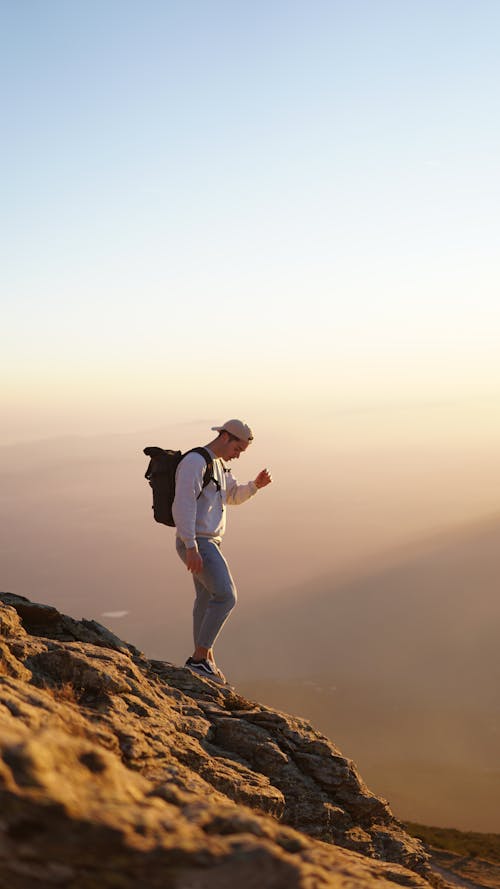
(161, 476)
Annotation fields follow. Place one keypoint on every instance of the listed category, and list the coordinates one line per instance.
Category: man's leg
(202, 596)
(201, 601)
(215, 596)
(200, 606)
(216, 579)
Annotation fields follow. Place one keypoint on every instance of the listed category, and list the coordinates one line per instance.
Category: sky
(269, 209)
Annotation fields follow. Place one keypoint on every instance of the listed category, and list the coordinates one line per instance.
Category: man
(200, 517)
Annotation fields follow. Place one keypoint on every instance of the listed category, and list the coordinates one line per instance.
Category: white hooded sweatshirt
(204, 515)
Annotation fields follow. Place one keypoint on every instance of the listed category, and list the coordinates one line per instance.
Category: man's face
(233, 447)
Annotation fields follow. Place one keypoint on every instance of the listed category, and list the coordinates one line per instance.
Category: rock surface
(118, 771)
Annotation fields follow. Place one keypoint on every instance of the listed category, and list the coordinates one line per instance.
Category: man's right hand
(194, 562)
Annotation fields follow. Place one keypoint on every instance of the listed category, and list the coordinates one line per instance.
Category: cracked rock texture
(117, 771)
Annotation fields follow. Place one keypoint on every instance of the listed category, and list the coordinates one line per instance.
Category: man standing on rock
(199, 512)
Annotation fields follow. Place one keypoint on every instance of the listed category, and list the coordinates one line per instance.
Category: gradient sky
(254, 205)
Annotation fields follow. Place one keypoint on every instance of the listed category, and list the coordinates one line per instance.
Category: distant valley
(401, 667)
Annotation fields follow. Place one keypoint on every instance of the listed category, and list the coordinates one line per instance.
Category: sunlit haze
(285, 212)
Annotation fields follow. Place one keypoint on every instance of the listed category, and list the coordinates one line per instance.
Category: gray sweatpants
(215, 592)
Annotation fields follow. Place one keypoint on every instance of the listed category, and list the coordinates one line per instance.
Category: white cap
(237, 428)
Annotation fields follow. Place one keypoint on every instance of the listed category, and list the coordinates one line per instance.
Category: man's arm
(236, 494)
(264, 478)
(188, 485)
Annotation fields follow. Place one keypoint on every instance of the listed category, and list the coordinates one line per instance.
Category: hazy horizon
(282, 212)
(364, 502)
(318, 602)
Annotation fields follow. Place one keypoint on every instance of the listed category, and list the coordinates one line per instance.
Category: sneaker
(207, 669)
(221, 674)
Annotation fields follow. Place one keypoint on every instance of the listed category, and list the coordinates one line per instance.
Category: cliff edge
(117, 771)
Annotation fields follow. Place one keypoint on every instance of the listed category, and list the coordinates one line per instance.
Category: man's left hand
(264, 478)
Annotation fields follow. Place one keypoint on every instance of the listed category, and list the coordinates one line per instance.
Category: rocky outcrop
(118, 771)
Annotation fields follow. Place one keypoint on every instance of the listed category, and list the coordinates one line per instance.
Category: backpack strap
(209, 471)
